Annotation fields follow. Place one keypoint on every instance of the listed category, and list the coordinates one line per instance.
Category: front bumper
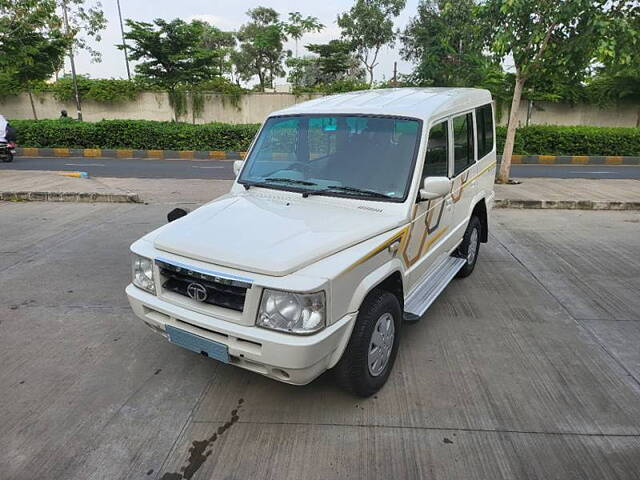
(287, 358)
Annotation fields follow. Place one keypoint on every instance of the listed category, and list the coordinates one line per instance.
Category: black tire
(463, 250)
(8, 158)
(352, 372)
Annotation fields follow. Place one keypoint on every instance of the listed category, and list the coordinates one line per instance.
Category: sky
(226, 15)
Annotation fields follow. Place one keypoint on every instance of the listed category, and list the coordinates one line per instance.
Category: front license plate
(198, 344)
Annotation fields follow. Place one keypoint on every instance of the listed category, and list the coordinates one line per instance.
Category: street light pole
(72, 61)
(124, 43)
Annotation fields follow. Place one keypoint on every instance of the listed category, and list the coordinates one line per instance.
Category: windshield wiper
(361, 191)
(291, 181)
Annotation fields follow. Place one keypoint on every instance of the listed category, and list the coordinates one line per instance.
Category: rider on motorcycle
(7, 140)
(7, 132)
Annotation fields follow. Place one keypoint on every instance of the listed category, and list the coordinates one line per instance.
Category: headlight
(300, 313)
(143, 274)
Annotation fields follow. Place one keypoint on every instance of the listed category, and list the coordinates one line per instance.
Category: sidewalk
(532, 193)
(570, 193)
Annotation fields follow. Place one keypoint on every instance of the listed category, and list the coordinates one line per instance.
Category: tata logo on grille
(197, 291)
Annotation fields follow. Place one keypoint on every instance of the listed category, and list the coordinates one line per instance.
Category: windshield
(339, 155)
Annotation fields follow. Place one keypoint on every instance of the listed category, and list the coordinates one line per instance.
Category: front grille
(203, 287)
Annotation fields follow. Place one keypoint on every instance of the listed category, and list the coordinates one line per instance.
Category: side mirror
(237, 166)
(435, 187)
(175, 214)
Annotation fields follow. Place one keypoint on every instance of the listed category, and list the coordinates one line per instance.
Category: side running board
(432, 285)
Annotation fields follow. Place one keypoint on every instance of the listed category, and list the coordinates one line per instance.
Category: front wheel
(470, 247)
(8, 157)
(369, 357)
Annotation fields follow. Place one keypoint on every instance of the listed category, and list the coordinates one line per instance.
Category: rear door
(464, 172)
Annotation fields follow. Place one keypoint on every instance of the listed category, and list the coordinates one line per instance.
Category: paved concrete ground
(138, 168)
(528, 369)
(559, 189)
(201, 190)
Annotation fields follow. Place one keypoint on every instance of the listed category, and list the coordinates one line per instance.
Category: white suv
(349, 216)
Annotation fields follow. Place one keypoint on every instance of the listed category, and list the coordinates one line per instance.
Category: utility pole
(124, 43)
(73, 63)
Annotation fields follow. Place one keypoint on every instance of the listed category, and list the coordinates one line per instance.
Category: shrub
(135, 134)
(147, 135)
(557, 140)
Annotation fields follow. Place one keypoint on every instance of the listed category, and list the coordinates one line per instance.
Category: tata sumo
(349, 216)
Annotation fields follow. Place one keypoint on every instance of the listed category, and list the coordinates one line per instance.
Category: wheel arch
(480, 211)
(388, 277)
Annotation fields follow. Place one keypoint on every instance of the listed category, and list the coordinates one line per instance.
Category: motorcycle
(7, 151)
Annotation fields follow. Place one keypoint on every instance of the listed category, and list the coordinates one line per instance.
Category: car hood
(269, 235)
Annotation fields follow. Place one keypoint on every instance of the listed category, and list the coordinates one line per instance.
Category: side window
(484, 122)
(462, 143)
(437, 160)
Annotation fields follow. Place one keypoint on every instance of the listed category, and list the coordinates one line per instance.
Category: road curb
(566, 204)
(126, 153)
(78, 197)
(572, 160)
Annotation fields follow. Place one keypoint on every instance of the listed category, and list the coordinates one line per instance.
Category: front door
(431, 218)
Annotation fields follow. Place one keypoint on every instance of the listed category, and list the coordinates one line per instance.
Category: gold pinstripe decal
(401, 235)
(404, 235)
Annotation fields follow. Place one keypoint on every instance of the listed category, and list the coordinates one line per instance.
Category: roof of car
(422, 103)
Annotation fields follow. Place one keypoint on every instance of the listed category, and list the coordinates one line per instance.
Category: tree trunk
(370, 76)
(505, 167)
(261, 79)
(33, 106)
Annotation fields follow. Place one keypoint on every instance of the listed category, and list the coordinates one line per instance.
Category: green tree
(446, 42)
(82, 21)
(333, 62)
(261, 51)
(617, 76)
(540, 36)
(368, 26)
(33, 44)
(299, 25)
(222, 42)
(337, 62)
(172, 53)
(86, 21)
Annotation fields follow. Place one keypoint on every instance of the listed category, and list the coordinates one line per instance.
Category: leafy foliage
(33, 44)
(368, 26)
(548, 40)
(446, 42)
(340, 86)
(99, 90)
(261, 50)
(86, 22)
(135, 134)
(141, 134)
(334, 63)
(299, 25)
(173, 53)
(580, 140)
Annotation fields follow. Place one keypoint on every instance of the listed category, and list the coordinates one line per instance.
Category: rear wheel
(369, 357)
(470, 247)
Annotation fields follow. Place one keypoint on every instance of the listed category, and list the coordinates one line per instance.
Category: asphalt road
(528, 369)
(106, 167)
(116, 168)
